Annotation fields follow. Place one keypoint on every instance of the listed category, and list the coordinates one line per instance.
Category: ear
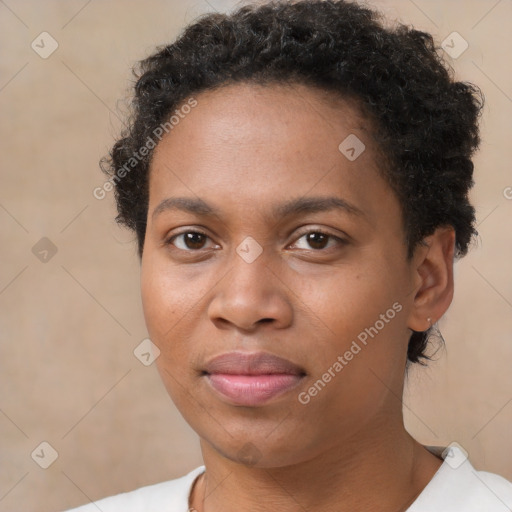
(432, 268)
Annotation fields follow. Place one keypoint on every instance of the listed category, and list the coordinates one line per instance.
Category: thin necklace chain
(192, 509)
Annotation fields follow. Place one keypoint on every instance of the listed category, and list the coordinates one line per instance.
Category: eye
(319, 240)
(191, 241)
(188, 240)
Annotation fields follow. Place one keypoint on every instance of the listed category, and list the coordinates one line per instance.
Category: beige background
(69, 325)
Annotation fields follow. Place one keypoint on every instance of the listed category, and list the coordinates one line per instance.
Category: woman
(297, 176)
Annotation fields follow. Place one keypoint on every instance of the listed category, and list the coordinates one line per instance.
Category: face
(263, 236)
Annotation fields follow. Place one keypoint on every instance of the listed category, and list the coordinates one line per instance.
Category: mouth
(251, 379)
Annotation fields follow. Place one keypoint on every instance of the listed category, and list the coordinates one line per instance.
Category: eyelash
(339, 240)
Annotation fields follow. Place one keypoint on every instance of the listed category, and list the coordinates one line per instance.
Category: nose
(251, 294)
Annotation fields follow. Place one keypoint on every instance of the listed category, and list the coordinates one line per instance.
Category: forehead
(293, 109)
(246, 144)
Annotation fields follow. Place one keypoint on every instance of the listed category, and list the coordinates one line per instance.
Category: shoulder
(459, 487)
(499, 488)
(172, 493)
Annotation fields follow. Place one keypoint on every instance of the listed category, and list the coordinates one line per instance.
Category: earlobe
(433, 277)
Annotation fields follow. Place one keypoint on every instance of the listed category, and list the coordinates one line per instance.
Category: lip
(251, 363)
(251, 379)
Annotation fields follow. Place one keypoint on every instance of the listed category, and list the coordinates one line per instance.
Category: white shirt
(456, 487)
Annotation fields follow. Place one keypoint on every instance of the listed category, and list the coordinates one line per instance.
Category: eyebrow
(291, 207)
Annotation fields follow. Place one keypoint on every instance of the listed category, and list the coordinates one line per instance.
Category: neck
(384, 472)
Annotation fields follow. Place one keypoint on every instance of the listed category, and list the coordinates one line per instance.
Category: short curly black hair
(427, 123)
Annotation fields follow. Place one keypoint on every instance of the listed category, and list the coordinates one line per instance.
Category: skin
(245, 149)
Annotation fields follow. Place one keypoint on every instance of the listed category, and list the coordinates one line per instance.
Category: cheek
(166, 300)
(164, 303)
(156, 297)
(346, 300)
(359, 316)
(173, 300)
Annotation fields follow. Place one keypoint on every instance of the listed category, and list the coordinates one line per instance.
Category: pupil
(320, 240)
(194, 240)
